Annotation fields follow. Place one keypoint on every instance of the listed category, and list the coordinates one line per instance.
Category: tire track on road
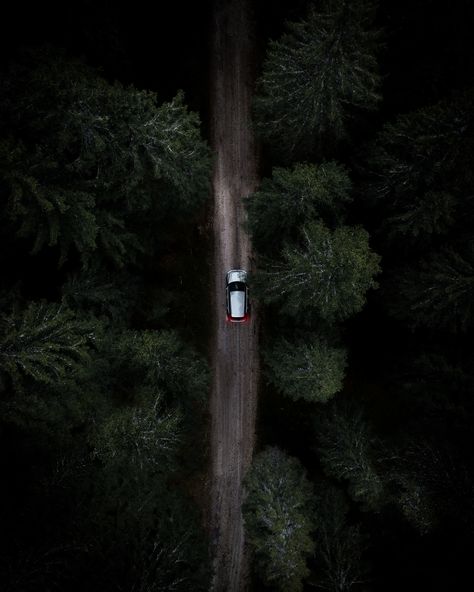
(234, 358)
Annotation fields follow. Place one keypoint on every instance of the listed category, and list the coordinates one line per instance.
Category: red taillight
(243, 319)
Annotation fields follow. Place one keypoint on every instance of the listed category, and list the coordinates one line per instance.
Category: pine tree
(102, 293)
(45, 343)
(166, 362)
(420, 169)
(340, 545)
(349, 451)
(293, 197)
(88, 164)
(153, 382)
(431, 213)
(439, 292)
(322, 69)
(144, 437)
(277, 519)
(173, 556)
(433, 483)
(310, 370)
(329, 276)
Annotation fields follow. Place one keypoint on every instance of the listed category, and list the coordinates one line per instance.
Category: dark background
(164, 46)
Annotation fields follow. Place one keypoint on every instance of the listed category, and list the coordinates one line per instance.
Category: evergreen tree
(277, 519)
(173, 557)
(430, 469)
(106, 294)
(293, 197)
(142, 435)
(439, 292)
(349, 451)
(88, 164)
(314, 77)
(431, 213)
(310, 370)
(100, 415)
(38, 566)
(414, 496)
(329, 276)
(164, 361)
(438, 389)
(433, 483)
(340, 545)
(420, 172)
(138, 443)
(44, 342)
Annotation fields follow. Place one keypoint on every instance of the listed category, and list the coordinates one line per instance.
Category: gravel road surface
(235, 346)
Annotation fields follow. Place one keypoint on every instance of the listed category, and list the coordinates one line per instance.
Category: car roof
(237, 304)
(236, 275)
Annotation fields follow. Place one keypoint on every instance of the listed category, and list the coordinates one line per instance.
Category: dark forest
(363, 231)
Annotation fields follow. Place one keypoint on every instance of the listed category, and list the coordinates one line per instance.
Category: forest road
(235, 346)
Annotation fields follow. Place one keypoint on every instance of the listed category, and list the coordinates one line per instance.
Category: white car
(237, 296)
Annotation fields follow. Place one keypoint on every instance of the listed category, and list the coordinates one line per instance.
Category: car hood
(237, 275)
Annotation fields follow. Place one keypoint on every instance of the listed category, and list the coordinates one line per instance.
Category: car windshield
(237, 287)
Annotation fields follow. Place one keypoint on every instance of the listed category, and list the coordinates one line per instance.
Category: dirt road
(235, 359)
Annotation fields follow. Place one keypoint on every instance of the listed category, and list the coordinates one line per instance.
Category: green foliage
(439, 390)
(439, 292)
(310, 370)
(52, 414)
(152, 377)
(429, 469)
(144, 436)
(433, 483)
(420, 168)
(136, 504)
(329, 276)
(99, 443)
(102, 293)
(349, 451)
(317, 74)
(38, 566)
(164, 361)
(173, 557)
(90, 165)
(414, 498)
(293, 197)
(100, 415)
(42, 209)
(431, 213)
(277, 519)
(339, 545)
(45, 342)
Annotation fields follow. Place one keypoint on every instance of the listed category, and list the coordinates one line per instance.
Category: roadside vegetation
(103, 394)
(363, 229)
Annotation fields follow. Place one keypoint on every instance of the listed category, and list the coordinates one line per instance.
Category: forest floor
(235, 365)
